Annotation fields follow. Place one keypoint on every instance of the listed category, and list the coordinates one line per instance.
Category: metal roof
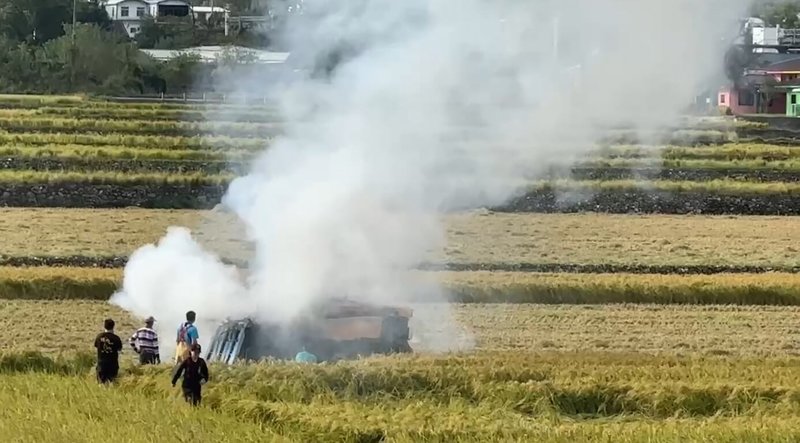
(149, 2)
(209, 54)
(209, 9)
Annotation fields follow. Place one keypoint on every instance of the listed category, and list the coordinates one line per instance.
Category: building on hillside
(206, 12)
(130, 13)
(234, 70)
(213, 54)
(762, 90)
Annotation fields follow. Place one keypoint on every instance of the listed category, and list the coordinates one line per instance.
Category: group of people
(144, 342)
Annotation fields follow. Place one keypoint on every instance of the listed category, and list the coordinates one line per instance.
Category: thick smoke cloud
(430, 106)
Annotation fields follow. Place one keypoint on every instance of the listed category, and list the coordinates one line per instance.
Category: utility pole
(74, 19)
(73, 49)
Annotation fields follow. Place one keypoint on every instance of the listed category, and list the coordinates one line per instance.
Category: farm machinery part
(336, 329)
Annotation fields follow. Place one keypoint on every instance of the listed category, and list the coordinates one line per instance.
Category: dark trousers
(147, 358)
(192, 394)
(107, 371)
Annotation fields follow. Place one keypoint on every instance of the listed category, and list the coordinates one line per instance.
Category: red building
(756, 93)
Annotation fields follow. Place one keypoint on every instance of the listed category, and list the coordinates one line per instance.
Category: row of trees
(97, 62)
(40, 54)
(778, 12)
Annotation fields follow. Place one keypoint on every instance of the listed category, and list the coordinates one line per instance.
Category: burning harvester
(334, 329)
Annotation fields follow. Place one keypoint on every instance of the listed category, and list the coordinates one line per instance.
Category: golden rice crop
(722, 289)
(47, 408)
(143, 127)
(664, 330)
(476, 237)
(134, 141)
(108, 177)
(194, 115)
(725, 186)
(59, 283)
(112, 152)
(35, 101)
(729, 151)
(680, 163)
(781, 289)
(479, 397)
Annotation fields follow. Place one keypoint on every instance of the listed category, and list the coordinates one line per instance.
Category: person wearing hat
(195, 375)
(145, 343)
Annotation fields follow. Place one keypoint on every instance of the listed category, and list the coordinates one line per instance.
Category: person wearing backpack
(187, 337)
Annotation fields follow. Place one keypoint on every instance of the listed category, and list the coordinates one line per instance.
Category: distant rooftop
(210, 54)
(209, 9)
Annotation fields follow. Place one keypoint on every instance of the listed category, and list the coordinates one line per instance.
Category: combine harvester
(332, 330)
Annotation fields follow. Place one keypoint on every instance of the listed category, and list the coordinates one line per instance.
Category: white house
(131, 12)
(128, 12)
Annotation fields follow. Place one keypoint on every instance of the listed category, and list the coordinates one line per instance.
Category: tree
(116, 73)
(18, 67)
(39, 21)
(782, 12)
(179, 72)
(175, 34)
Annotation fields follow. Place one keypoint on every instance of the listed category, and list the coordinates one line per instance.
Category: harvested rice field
(476, 237)
(651, 329)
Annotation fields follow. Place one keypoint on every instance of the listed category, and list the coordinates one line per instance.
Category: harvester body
(333, 330)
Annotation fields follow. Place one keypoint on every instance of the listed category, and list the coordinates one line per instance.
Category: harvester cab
(333, 330)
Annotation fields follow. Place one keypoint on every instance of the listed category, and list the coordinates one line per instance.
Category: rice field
(473, 237)
(585, 327)
(666, 330)
(41, 407)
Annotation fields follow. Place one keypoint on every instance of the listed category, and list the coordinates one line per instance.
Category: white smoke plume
(434, 106)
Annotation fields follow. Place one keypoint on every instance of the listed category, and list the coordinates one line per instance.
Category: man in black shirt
(195, 374)
(108, 347)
